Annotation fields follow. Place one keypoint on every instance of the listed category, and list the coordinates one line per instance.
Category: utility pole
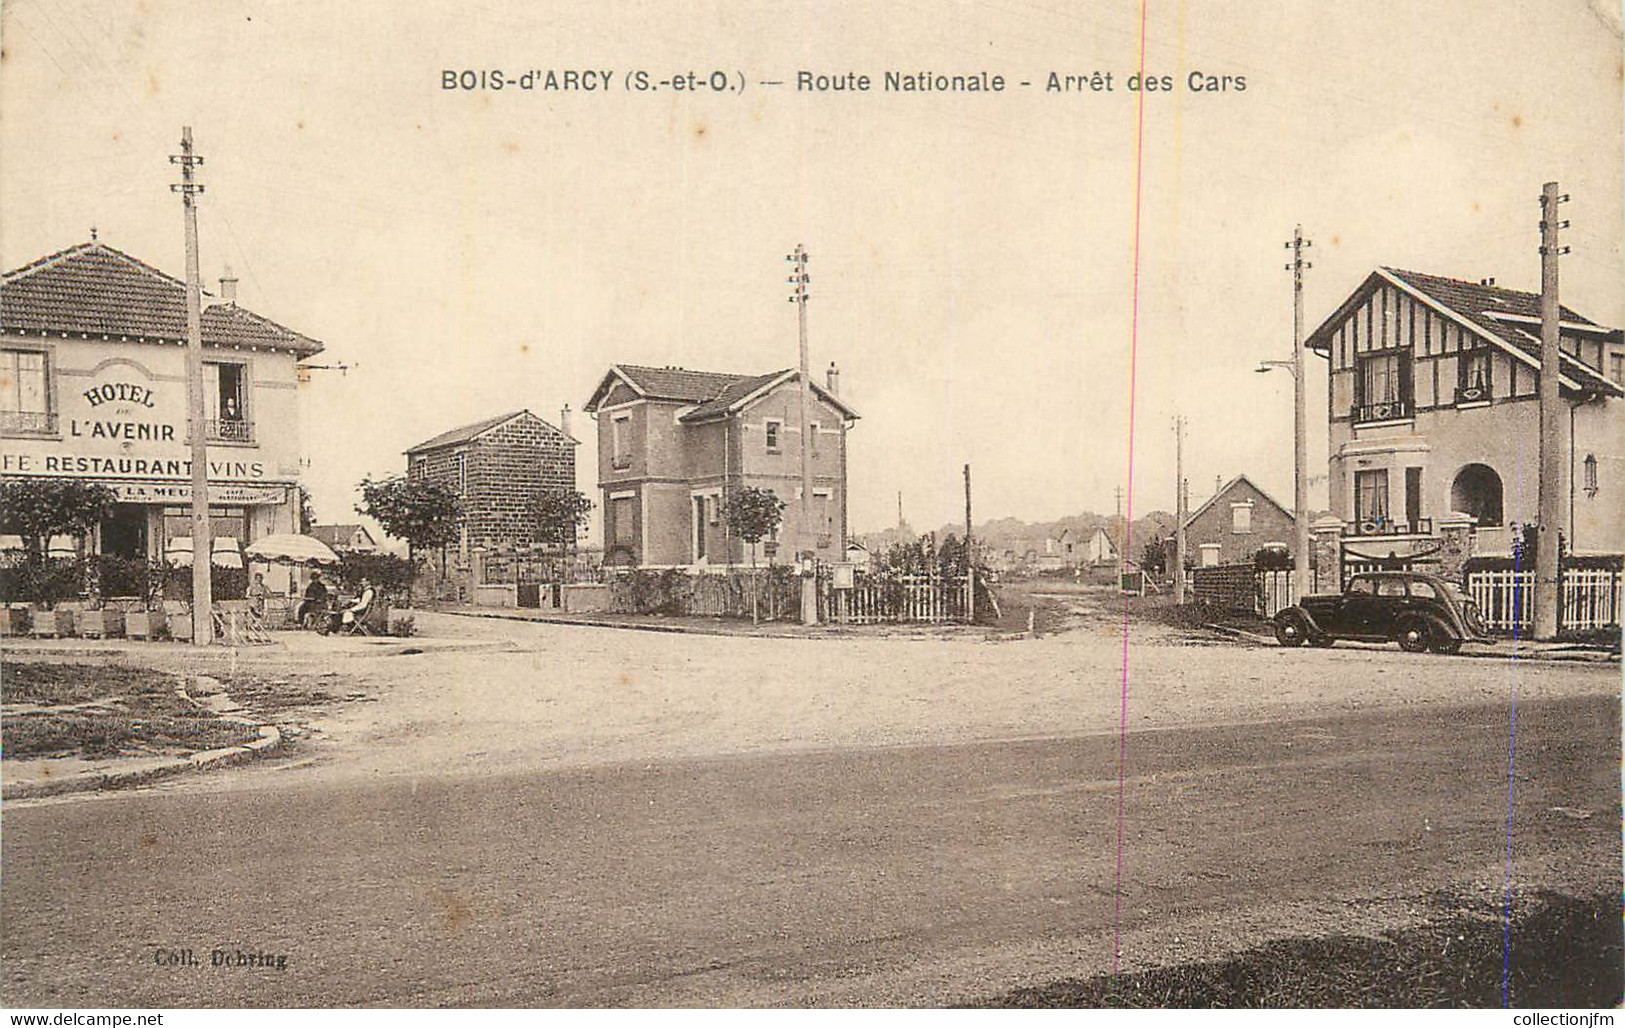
(202, 536)
(1300, 424)
(1122, 534)
(809, 582)
(1548, 574)
(970, 560)
(1179, 509)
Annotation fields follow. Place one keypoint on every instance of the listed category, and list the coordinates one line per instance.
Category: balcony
(1473, 394)
(233, 431)
(1386, 410)
(27, 422)
(1377, 527)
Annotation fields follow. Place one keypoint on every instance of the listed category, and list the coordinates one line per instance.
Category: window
(711, 509)
(1391, 587)
(1589, 474)
(1424, 590)
(1473, 375)
(1241, 518)
(812, 430)
(620, 441)
(25, 395)
(621, 519)
(1371, 496)
(1616, 368)
(1362, 586)
(1382, 386)
(227, 400)
(770, 429)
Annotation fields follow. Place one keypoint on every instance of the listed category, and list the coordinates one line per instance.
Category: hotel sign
(122, 422)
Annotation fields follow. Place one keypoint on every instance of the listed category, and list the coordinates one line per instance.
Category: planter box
(49, 624)
(14, 621)
(144, 624)
(179, 619)
(101, 624)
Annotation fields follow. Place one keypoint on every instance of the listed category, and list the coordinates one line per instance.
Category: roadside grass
(1565, 952)
(1193, 616)
(96, 711)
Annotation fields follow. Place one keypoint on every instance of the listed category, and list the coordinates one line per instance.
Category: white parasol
(291, 549)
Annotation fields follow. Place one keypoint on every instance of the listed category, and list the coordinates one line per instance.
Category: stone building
(498, 466)
(1236, 522)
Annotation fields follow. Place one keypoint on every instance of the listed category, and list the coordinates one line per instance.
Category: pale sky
(972, 255)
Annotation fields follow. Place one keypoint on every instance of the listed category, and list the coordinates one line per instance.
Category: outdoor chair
(358, 624)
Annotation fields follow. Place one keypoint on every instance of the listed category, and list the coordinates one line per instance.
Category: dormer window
(1382, 386)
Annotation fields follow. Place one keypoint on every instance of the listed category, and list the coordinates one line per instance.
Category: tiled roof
(735, 391)
(1224, 490)
(679, 383)
(1478, 303)
(465, 433)
(336, 535)
(94, 289)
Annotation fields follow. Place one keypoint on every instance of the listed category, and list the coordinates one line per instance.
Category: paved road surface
(915, 874)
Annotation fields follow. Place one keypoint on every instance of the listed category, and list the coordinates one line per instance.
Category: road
(585, 858)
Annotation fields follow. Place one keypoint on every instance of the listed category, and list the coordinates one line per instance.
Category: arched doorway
(1477, 491)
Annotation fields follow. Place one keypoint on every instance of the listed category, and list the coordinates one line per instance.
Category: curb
(625, 626)
(95, 781)
(1561, 655)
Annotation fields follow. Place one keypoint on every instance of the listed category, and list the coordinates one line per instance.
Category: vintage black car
(1420, 612)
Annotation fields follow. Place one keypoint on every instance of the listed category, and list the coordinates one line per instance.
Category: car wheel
(1415, 636)
(1289, 631)
(1445, 644)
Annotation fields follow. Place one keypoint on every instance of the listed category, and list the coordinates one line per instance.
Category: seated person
(257, 594)
(347, 617)
(315, 602)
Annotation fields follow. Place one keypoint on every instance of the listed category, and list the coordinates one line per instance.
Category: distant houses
(343, 539)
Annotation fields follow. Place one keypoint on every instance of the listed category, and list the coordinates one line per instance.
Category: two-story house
(93, 386)
(673, 444)
(1433, 410)
(498, 466)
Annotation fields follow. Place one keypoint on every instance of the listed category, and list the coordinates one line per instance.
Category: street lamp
(1300, 470)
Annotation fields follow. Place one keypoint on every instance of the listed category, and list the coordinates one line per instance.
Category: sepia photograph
(986, 504)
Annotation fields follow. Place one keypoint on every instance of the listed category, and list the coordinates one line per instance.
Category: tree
(307, 512)
(1154, 558)
(38, 508)
(423, 513)
(560, 515)
(752, 514)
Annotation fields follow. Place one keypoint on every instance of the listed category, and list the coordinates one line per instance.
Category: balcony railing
(28, 422)
(1389, 526)
(1473, 394)
(236, 431)
(1385, 410)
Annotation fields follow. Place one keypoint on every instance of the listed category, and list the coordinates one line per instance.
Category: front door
(124, 533)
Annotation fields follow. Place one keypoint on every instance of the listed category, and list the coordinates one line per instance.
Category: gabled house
(1100, 549)
(673, 444)
(93, 377)
(1433, 410)
(1234, 523)
(345, 538)
(498, 466)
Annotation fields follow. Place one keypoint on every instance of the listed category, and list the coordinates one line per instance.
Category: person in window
(313, 609)
(228, 409)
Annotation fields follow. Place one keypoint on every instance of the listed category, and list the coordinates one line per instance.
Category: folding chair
(353, 621)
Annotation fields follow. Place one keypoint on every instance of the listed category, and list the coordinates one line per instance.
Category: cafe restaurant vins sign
(123, 423)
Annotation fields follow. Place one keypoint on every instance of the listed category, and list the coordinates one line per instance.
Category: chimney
(832, 379)
(564, 420)
(1487, 281)
(228, 286)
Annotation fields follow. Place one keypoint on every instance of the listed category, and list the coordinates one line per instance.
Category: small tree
(307, 512)
(421, 512)
(560, 516)
(38, 508)
(752, 514)
(1154, 557)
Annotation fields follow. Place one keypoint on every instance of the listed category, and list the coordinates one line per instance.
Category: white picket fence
(1592, 598)
(908, 598)
(1276, 592)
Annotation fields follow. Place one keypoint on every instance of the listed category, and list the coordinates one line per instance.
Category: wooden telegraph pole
(1300, 424)
(809, 582)
(1548, 553)
(202, 541)
(1179, 509)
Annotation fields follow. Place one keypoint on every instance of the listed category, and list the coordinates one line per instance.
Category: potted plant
(14, 619)
(146, 620)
